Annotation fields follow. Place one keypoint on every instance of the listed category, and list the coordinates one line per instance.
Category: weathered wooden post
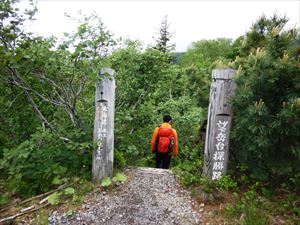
(218, 123)
(104, 125)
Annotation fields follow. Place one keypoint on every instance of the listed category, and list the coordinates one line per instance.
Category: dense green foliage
(148, 86)
(198, 62)
(44, 161)
(47, 91)
(47, 95)
(266, 134)
(47, 102)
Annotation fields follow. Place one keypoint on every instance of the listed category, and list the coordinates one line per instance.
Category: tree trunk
(37, 111)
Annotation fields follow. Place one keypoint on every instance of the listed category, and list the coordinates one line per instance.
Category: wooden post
(104, 125)
(218, 123)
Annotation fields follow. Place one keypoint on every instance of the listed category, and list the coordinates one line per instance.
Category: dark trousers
(162, 160)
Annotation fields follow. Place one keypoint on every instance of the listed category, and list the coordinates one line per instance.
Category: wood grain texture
(218, 123)
(103, 153)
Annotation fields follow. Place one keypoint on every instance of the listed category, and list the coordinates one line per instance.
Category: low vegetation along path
(149, 196)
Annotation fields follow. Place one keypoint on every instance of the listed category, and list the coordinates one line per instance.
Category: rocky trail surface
(149, 196)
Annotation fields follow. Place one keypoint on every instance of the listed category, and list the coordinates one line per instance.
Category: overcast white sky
(189, 20)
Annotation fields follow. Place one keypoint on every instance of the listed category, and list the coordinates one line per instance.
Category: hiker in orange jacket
(164, 141)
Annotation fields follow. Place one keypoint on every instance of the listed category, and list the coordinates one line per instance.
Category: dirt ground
(149, 196)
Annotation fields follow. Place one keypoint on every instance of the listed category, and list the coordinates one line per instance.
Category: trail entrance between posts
(149, 196)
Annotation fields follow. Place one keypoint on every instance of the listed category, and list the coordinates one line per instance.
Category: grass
(252, 208)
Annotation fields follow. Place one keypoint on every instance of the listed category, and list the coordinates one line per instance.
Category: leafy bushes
(247, 210)
(43, 161)
(197, 65)
(47, 95)
(188, 166)
(149, 87)
(258, 205)
(60, 95)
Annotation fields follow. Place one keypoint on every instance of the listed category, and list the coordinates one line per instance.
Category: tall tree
(46, 75)
(162, 42)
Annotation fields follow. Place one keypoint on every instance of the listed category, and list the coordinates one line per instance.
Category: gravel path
(150, 196)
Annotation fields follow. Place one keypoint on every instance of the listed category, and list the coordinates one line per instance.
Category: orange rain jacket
(155, 133)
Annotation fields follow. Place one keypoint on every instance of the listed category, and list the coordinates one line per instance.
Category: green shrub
(188, 166)
(290, 204)
(248, 209)
(38, 164)
(119, 159)
(4, 200)
(265, 135)
(226, 183)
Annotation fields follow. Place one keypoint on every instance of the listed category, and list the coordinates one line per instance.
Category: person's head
(167, 119)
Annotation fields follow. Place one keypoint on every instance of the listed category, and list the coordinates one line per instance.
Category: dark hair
(167, 118)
